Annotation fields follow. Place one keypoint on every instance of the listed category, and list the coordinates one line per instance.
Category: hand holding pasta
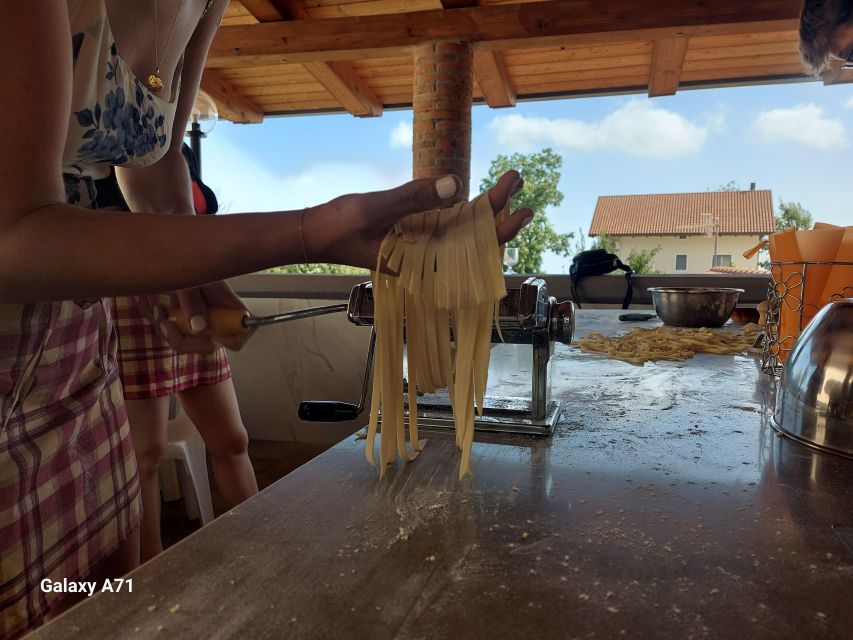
(446, 268)
(351, 228)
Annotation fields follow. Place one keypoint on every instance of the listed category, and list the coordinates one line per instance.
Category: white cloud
(401, 136)
(849, 103)
(804, 124)
(637, 128)
(244, 184)
(717, 121)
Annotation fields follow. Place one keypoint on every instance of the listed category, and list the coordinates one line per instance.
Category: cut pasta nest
(666, 343)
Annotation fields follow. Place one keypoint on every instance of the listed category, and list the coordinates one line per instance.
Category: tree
(318, 267)
(792, 214)
(541, 173)
(731, 185)
(642, 260)
(604, 241)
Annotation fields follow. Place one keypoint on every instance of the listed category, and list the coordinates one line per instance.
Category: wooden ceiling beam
(264, 10)
(494, 80)
(498, 27)
(337, 77)
(232, 104)
(667, 64)
(341, 80)
(838, 76)
(490, 69)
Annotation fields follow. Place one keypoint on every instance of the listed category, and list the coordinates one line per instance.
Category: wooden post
(442, 101)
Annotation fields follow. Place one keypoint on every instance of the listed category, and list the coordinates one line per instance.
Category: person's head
(826, 33)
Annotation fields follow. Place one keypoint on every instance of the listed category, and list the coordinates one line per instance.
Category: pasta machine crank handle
(334, 410)
(224, 322)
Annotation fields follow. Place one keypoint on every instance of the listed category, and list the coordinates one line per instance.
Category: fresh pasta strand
(449, 282)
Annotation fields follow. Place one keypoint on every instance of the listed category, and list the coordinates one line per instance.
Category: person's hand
(350, 229)
(193, 305)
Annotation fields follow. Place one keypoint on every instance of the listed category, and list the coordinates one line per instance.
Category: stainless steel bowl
(694, 306)
(814, 402)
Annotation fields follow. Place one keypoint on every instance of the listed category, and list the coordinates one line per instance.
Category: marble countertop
(663, 506)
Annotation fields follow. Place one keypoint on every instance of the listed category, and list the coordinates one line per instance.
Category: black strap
(629, 279)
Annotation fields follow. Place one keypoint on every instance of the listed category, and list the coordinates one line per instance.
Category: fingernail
(528, 221)
(517, 186)
(156, 313)
(446, 187)
(163, 329)
(197, 324)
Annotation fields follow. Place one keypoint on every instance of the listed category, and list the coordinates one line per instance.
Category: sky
(794, 139)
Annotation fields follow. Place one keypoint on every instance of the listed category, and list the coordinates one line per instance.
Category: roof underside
(306, 56)
(707, 212)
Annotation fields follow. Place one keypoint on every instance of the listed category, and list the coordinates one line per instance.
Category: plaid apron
(69, 493)
(149, 367)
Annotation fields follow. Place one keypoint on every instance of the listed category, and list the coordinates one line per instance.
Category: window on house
(681, 262)
(723, 260)
(682, 237)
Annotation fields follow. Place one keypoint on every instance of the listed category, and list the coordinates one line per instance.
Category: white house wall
(698, 249)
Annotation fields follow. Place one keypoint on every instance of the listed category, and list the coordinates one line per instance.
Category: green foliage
(580, 245)
(319, 268)
(793, 214)
(541, 173)
(603, 241)
(731, 185)
(642, 261)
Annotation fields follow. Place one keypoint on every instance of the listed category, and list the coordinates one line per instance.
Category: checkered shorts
(150, 368)
(69, 491)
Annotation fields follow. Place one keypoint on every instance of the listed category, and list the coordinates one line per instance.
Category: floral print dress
(69, 491)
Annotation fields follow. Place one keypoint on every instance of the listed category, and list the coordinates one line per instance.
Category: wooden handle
(221, 322)
(751, 252)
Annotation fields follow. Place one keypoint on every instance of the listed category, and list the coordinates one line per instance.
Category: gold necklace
(154, 81)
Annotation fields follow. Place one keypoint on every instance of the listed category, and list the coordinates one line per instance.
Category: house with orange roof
(694, 231)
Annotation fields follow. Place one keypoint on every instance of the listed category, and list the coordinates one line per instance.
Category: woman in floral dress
(72, 103)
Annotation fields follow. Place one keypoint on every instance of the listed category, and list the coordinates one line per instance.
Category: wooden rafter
(497, 27)
(341, 80)
(493, 79)
(337, 77)
(232, 104)
(667, 64)
(838, 76)
(489, 67)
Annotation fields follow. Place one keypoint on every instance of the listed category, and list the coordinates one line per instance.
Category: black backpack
(598, 262)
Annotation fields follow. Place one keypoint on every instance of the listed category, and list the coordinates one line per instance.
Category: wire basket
(786, 292)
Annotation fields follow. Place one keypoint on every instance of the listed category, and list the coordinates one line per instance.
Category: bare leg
(120, 562)
(148, 419)
(213, 410)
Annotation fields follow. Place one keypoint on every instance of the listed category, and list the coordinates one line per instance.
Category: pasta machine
(527, 316)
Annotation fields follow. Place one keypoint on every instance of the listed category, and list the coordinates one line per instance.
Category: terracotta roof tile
(737, 212)
(739, 270)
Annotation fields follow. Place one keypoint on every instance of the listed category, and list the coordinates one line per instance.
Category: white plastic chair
(186, 446)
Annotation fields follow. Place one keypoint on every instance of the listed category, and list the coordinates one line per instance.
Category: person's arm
(164, 187)
(53, 251)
